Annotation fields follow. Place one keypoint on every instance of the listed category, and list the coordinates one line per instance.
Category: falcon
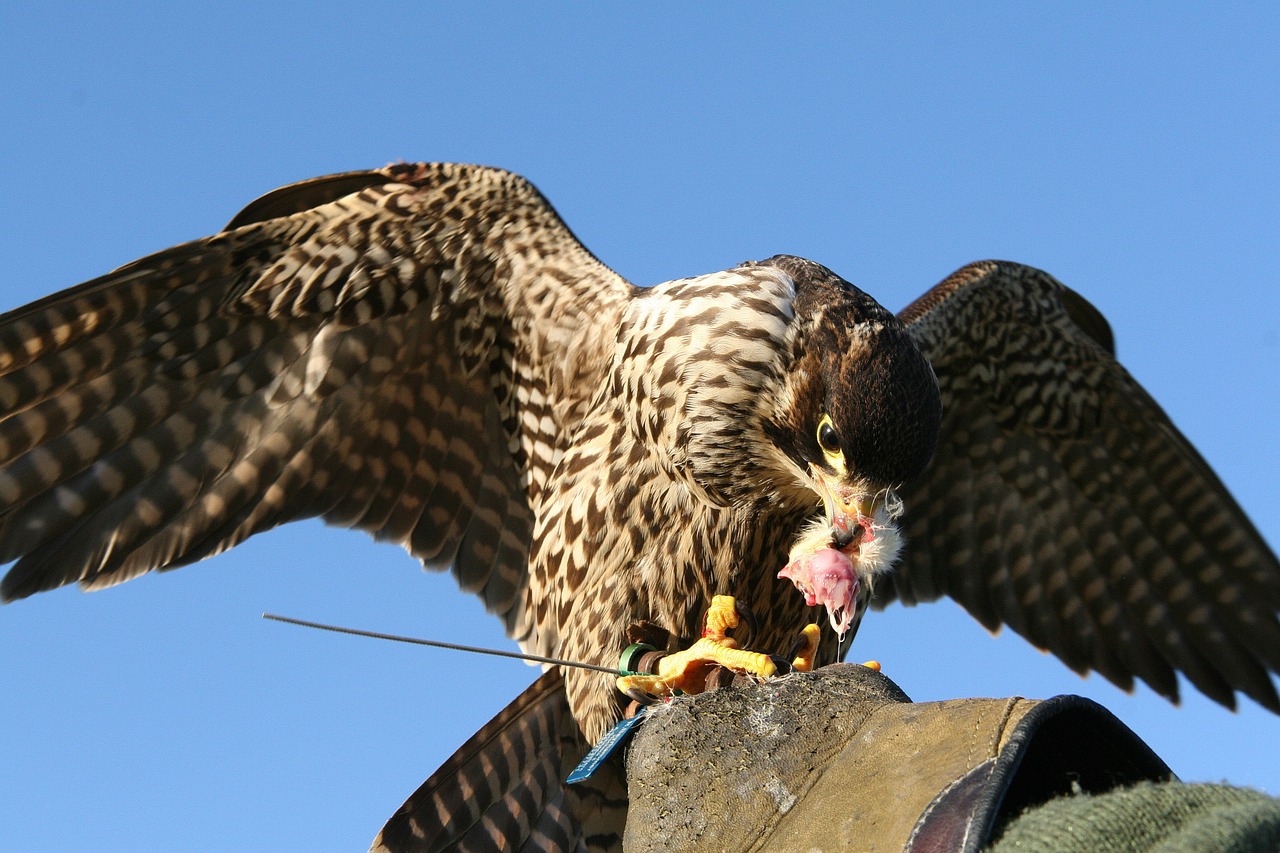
(425, 352)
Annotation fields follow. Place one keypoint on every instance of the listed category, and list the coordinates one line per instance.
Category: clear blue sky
(1131, 153)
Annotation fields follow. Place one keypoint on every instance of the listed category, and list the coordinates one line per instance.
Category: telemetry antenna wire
(441, 645)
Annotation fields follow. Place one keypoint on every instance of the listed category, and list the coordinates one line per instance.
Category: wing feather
(404, 351)
(1064, 503)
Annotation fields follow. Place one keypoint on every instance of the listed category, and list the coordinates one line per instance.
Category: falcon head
(858, 416)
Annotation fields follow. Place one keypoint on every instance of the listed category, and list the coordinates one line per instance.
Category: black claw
(643, 698)
(753, 625)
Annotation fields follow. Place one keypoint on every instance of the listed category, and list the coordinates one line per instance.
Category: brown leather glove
(841, 759)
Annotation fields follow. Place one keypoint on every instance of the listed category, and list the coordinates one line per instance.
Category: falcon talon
(645, 689)
(688, 670)
(805, 651)
(746, 615)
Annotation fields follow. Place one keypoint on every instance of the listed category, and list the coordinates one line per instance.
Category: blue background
(1132, 153)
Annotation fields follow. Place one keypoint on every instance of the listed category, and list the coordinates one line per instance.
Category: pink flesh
(826, 577)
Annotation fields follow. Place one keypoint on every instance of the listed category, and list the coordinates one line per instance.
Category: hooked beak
(849, 511)
(830, 562)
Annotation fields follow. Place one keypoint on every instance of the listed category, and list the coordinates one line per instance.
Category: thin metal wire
(442, 645)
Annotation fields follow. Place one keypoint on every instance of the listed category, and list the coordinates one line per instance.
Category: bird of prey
(425, 352)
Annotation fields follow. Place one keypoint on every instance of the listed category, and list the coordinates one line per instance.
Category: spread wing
(401, 351)
(1063, 503)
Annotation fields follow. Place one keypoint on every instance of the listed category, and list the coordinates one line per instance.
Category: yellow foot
(687, 670)
(808, 648)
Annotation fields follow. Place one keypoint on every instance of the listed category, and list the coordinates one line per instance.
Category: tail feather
(504, 789)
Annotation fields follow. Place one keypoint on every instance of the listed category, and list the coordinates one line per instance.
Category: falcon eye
(828, 438)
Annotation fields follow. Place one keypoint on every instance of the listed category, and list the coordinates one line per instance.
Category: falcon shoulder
(402, 351)
(1063, 503)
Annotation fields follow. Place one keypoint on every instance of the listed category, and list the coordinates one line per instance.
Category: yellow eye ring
(829, 439)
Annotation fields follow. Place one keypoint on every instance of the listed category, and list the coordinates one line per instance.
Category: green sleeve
(1167, 817)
